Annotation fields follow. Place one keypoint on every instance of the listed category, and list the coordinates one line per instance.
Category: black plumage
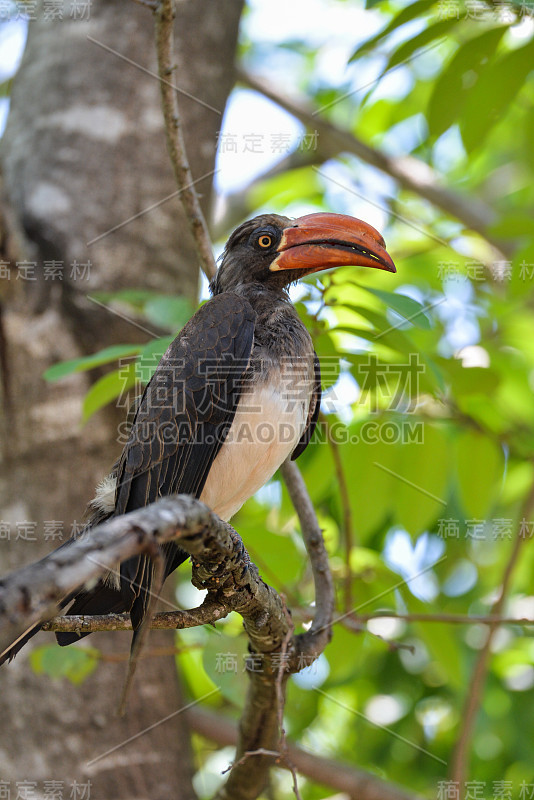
(244, 358)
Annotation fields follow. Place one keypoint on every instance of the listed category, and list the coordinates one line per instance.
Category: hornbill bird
(236, 393)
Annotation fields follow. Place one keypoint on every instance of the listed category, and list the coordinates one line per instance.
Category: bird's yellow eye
(265, 241)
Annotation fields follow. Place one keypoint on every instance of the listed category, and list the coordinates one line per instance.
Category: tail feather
(106, 598)
(11, 652)
(24, 638)
(103, 599)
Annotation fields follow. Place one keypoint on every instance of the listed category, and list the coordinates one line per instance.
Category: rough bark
(84, 151)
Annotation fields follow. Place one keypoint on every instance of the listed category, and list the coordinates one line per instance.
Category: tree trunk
(84, 152)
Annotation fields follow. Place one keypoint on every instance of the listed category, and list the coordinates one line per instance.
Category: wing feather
(181, 421)
(313, 414)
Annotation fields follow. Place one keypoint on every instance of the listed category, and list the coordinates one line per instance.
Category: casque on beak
(321, 241)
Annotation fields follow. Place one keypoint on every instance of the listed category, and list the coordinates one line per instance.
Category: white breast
(267, 427)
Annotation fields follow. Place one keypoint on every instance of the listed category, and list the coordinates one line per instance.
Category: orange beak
(320, 241)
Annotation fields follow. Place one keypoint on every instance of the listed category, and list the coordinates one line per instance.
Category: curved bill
(321, 241)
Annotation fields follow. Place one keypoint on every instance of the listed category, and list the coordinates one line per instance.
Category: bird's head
(276, 251)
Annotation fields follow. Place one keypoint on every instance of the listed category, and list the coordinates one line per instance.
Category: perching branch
(259, 728)
(207, 614)
(211, 611)
(320, 632)
(409, 172)
(175, 140)
(222, 566)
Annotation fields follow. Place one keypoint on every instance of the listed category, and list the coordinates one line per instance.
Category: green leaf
(5, 87)
(480, 468)
(137, 298)
(518, 480)
(420, 492)
(287, 188)
(522, 279)
(107, 389)
(344, 653)
(72, 663)
(469, 380)
(436, 31)
(379, 321)
(370, 488)
(411, 11)
(399, 468)
(85, 363)
(301, 708)
(394, 339)
(451, 89)
(374, 118)
(223, 658)
(168, 311)
(317, 467)
(493, 93)
(275, 554)
(520, 223)
(443, 645)
(407, 307)
(528, 137)
(191, 666)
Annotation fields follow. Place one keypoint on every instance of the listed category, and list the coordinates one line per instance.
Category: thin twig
(151, 4)
(209, 612)
(452, 619)
(320, 631)
(352, 623)
(261, 751)
(175, 139)
(478, 677)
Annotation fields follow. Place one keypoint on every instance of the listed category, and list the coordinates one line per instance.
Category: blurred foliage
(75, 665)
(136, 363)
(428, 414)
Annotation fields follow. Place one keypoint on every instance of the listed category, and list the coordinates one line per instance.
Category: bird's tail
(107, 598)
(102, 599)
(13, 649)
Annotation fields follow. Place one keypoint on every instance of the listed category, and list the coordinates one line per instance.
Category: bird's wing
(181, 423)
(313, 413)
